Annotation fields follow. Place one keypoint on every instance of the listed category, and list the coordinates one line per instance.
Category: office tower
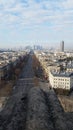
(62, 46)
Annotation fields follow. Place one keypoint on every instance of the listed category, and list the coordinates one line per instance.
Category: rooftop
(62, 74)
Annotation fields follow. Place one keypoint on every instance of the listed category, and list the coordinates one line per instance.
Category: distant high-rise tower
(62, 46)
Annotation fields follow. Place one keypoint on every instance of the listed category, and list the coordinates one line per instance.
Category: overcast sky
(43, 22)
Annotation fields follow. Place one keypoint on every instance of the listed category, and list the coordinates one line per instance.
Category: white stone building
(61, 80)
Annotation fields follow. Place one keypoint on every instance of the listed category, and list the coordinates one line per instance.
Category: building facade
(59, 80)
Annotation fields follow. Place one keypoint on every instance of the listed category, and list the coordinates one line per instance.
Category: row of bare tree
(14, 71)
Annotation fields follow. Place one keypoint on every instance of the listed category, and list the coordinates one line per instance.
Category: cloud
(34, 14)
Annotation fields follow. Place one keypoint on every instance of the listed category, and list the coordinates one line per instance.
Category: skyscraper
(62, 46)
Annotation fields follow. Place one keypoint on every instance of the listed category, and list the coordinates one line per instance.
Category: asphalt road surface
(31, 108)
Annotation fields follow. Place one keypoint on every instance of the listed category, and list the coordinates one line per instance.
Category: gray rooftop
(62, 74)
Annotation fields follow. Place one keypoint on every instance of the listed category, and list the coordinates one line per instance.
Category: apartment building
(61, 80)
(69, 68)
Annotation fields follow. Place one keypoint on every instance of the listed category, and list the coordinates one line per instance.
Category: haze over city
(29, 22)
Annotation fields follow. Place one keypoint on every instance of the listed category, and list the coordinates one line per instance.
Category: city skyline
(32, 22)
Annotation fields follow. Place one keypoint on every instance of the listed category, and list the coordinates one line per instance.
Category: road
(31, 107)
